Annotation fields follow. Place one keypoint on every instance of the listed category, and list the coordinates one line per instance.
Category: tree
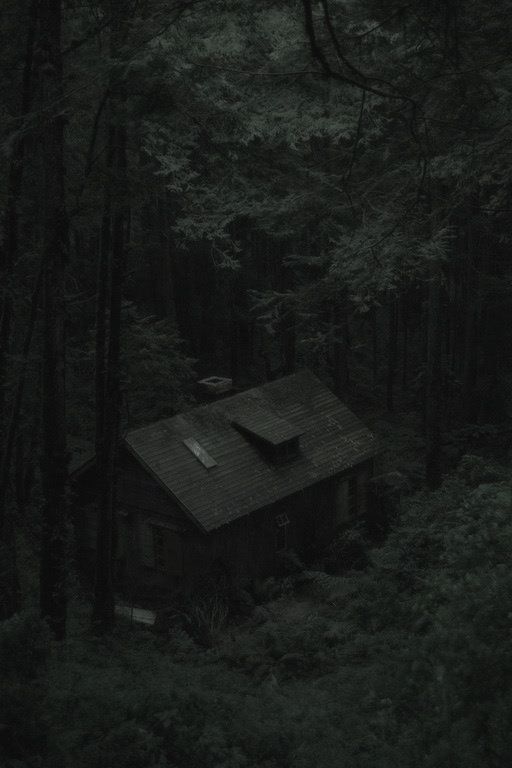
(55, 246)
(108, 340)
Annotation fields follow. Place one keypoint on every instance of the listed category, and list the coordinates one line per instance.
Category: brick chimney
(215, 388)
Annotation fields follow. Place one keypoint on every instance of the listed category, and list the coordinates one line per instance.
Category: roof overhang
(162, 485)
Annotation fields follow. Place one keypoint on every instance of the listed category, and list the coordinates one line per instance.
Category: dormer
(276, 438)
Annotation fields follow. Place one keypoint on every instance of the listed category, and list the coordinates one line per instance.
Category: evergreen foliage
(405, 664)
(241, 188)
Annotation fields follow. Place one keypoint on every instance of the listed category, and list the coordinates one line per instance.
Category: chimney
(215, 388)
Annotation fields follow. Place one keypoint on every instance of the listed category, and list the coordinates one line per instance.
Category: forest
(246, 189)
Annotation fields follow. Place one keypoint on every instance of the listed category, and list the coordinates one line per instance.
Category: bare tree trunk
(234, 330)
(54, 459)
(405, 339)
(289, 342)
(9, 585)
(339, 344)
(392, 354)
(102, 293)
(433, 381)
(108, 391)
(102, 298)
(9, 245)
(471, 309)
(375, 345)
(8, 579)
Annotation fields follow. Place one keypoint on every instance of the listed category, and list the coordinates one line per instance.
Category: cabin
(231, 483)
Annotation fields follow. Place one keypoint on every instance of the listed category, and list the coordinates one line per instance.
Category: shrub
(347, 551)
(240, 601)
(24, 649)
(24, 645)
(265, 590)
(288, 563)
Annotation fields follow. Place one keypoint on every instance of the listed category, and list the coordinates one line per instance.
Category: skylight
(199, 452)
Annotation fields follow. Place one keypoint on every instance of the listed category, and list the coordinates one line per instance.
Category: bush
(240, 601)
(24, 649)
(265, 590)
(347, 551)
(475, 470)
(204, 620)
(288, 563)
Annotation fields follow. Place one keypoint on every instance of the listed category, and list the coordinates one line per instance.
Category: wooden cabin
(230, 484)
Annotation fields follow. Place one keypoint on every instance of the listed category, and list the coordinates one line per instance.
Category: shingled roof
(241, 479)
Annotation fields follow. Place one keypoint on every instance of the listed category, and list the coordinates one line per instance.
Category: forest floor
(403, 664)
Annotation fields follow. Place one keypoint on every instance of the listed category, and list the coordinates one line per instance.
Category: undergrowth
(406, 663)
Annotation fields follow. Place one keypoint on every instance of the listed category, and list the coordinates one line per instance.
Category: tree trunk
(234, 328)
(108, 390)
(55, 242)
(9, 579)
(289, 341)
(392, 354)
(339, 344)
(405, 340)
(469, 364)
(9, 245)
(433, 381)
(375, 344)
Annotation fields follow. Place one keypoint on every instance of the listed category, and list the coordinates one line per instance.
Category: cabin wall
(142, 507)
(351, 497)
(160, 550)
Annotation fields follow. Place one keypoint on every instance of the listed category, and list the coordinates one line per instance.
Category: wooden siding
(244, 480)
(247, 546)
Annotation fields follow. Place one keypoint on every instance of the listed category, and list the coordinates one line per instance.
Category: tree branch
(362, 81)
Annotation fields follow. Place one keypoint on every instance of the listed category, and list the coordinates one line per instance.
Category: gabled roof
(243, 480)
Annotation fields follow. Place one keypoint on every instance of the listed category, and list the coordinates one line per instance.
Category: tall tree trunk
(108, 390)
(375, 344)
(339, 344)
(10, 241)
(287, 327)
(103, 567)
(433, 381)
(102, 294)
(55, 243)
(289, 341)
(471, 309)
(9, 585)
(405, 339)
(8, 577)
(234, 328)
(392, 353)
